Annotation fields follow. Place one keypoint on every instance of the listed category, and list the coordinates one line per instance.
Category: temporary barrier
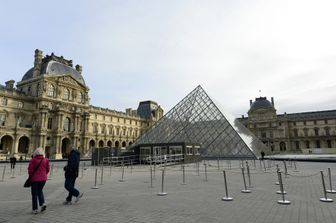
(283, 201)
(3, 174)
(245, 190)
(226, 198)
(183, 175)
(330, 184)
(205, 172)
(122, 174)
(162, 193)
(95, 183)
(325, 198)
(248, 174)
(281, 191)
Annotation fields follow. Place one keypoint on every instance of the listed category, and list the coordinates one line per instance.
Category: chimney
(250, 102)
(79, 68)
(37, 62)
(10, 84)
(272, 100)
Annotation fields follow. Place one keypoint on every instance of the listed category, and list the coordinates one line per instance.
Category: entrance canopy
(196, 119)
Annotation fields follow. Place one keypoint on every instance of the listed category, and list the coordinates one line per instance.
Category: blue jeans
(37, 192)
(70, 186)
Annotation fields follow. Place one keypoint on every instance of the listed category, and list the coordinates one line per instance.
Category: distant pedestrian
(38, 178)
(262, 155)
(12, 161)
(71, 174)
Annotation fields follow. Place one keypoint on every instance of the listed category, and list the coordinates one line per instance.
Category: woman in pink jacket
(39, 178)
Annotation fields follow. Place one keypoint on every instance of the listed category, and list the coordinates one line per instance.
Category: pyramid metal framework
(197, 120)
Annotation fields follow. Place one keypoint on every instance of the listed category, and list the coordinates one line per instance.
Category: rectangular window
(297, 145)
(307, 144)
(318, 145)
(49, 125)
(329, 143)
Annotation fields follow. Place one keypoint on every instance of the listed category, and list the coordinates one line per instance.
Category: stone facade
(50, 107)
(307, 132)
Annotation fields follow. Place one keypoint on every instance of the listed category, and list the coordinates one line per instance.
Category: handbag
(28, 181)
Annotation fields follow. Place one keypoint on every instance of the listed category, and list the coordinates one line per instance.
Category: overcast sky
(161, 50)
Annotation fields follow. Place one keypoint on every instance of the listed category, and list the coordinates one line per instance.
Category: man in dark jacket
(71, 173)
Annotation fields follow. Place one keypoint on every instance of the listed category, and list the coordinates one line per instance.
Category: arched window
(66, 94)
(80, 97)
(66, 124)
(51, 90)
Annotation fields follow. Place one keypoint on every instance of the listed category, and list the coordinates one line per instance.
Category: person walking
(12, 161)
(38, 178)
(71, 174)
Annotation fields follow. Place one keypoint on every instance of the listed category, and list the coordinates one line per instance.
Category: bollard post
(285, 166)
(277, 170)
(205, 172)
(295, 169)
(151, 177)
(82, 172)
(51, 172)
(226, 198)
(95, 183)
(281, 191)
(264, 166)
(183, 175)
(330, 184)
(325, 198)
(245, 190)
(3, 174)
(162, 193)
(102, 174)
(13, 173)
(248, 174)
(122, 174)
(283, 201)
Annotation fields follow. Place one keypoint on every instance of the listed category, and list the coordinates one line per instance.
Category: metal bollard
(102, 174)
(51, 172)
(122, 174)
(281, 191)
(295, 169)
(325, 198)
(13, 173)
(162, 193)
(248, 174)
(277, 170)
(245, 190)
(264, 166)
(283, 201)
(285, 166)
(183, 175)
(330, 184)
(3, 174)
(226, 198)
(205, 172)
(95, 184)
(151, 177)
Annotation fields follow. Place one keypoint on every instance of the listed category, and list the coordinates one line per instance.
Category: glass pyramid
(196, 119)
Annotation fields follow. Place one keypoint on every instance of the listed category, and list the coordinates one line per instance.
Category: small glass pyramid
(196, 119)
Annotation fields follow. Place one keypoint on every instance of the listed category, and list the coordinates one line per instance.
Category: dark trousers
(37, 192)
(70, 186)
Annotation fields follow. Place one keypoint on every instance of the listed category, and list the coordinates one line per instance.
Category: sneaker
(34, 212)
(79, 197)
(67, 203)
(43, 207)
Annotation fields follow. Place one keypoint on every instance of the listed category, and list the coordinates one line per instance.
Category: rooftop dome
(261, 103)
(53, 65)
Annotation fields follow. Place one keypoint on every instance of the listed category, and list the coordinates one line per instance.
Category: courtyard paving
(199, 200)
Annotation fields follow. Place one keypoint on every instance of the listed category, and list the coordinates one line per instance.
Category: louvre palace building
(306, 132)
(50, 108)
